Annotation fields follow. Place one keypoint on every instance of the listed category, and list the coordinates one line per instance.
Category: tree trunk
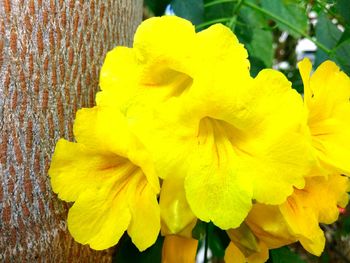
(50, 55)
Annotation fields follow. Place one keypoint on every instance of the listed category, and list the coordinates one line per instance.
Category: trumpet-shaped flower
(326, 100)
(326, 96)
(110, 178)
(191, 101)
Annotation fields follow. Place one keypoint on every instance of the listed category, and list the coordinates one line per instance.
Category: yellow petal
(261, 256)
(75, 168)
(327, 94)
(99, 217)
(303, 222)
(145, 223)
(331, 140)
(317, 203)
(105, 129)
(118, 68)
(213, 185)
(176, 214)
(244, 239)
(305, 68)
(324, 95)
(167, 39)
(218, 48)
(119, 78)
(234, 255)
(276, 143)
(334, 194)
(268, 224)
(178, 249)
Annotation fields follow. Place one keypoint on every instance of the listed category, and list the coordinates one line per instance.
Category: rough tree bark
(50, 55)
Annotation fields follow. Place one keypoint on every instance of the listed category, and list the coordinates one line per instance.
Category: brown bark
(50, 55)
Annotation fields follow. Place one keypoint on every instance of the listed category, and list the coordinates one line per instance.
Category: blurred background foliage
(277, 34)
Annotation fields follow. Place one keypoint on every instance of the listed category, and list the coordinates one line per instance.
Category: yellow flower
(298, 218)
(253, 148)
(110, 178)
(326, 100)
(190, 99)
(326, 96)
(317, 203)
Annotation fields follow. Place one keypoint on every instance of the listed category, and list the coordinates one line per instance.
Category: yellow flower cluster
(182, 132)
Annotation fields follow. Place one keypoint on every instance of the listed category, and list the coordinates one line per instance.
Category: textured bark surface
(50, 55)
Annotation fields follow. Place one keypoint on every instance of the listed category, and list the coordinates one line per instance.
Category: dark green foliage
(218, 241)
(127, 252)
(284, 255)
(190, 9)
(291, 11)
(343, 9)
(328, 34)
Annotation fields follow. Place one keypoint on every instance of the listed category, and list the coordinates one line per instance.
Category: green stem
(214, 21)
(233, 20)
(276, 18)
(218, 2)
(206, 243)
(238, 6)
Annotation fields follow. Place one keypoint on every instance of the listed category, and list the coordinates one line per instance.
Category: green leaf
(157, 6)
(256, 65)
(345, 230)
(190, 9)
(261, 46)
(218, 11)
(341, 55)
(218, 241)
(345, 36)
(199, 231)
(284, 255)
(343, 8)
(127, 252)
(326, 33)
(292, 11)
(260, 41)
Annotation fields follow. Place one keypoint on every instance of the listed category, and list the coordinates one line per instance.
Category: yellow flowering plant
(183, 134)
